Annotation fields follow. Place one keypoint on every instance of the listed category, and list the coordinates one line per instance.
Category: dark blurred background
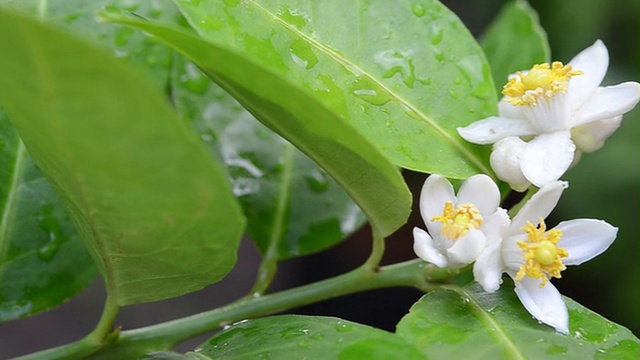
(604, 185)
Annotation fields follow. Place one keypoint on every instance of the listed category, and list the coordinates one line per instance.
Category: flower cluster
(548, 116)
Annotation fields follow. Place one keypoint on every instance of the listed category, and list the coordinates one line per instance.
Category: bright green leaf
(365, 174)
(515, 41)
(310, 337)
(445, 324)
(42, 260)
(292, 206)
(404, 74)
(152, 206)
(37, 234)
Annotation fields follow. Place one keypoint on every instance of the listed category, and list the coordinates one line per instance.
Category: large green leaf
(305, 337)
(514, 41)
(365, 174)
(405, 74)
(292, 206)
(445, 324)
(152, 206)
(37, 234)
(42, 260)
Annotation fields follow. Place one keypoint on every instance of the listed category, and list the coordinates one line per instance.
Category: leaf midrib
(7, 210)
(359, 71)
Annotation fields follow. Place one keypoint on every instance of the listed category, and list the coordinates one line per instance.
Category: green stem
(414, 273)
(102, 335)
(377, 251)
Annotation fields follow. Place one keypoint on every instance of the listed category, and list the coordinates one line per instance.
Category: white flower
(559, 111)
(531, 255)
(458, 226)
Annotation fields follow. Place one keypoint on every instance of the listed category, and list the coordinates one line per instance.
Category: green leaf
(405, 75)
(515, 41)
(37, 234)
(152, 206)
(42, 259)
(496, 326)
(292, 206)
(300, 337)
(365, 174)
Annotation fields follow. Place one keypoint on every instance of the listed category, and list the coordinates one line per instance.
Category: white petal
(425, 248)
(539, 206)
(492, 129)
(495, 224)
(593, 62)
(505, 162)
(607, 102)
(488, 268)
(512, 254)
(509, 111)
(547, 157)
(481, 191)
(466, 249)
(544, 303)
(591, 137)
(585, 239)
(436, 191)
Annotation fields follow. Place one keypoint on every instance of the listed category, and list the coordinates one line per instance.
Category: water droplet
(293, 17)
(318, 181)
(342, 327)
(418, 10)
(457, 81)
(317, 336)
(369, 91)
(303, 343)
(453, 94)
(438, 34)
(50, 225)
(438, 54)
(393, 62)
(302, 54)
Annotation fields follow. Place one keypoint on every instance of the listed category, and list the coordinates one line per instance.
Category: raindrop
(369, 91)
(303, 343)
(317, 336)
(393, 62)
(437, 37)
(438, 55)
(453, 94)
(302, 54)
(342, 327)
(418, 10)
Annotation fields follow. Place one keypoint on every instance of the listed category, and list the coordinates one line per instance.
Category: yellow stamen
(542, 257)
(457, 221)
(541, 81)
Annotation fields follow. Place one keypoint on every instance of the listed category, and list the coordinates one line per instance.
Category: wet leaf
(300, 337)
(405, 75)
(365, 174)
(515, 41)
(445, 323)
(150, 203)
(292, 206)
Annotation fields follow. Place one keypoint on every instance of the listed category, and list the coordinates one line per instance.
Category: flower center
(542, 81)
(542, 257)
(457, 221)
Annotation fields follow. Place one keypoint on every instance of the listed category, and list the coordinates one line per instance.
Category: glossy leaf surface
(515, 41)
(404, 74)
(496, 326)
(365, 174)
(43, 262)
(109, 144)
(292, 206)
(311, 337)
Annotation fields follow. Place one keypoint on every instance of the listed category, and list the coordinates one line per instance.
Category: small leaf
(515, 41)
(292, 206)
(310, 337)
(151, 205)
(365, 174)
(405, 75)
(43, 262)
(496, 326)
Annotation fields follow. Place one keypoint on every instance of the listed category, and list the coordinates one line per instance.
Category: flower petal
(591, 136)
(544, 303)
(488, 268)
(481, 191)
(492, 129)
(539, 206)
(547, 157)
(585, 239)
(426, 249)
(436, 191)
(466, 249)
(509, 110)
(505, 162)
(593, 62)
(495, 224)
(607, 102)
